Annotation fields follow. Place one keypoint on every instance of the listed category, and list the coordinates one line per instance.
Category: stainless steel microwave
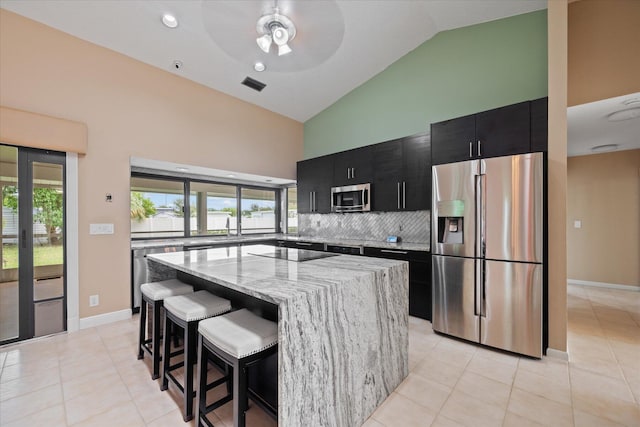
(352, 198)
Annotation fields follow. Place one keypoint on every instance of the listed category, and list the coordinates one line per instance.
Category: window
(215, 208)
(292, 210)
(157, 208)
(259, 211)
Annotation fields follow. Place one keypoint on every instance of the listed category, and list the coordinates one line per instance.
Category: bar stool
(186, 311)
(154, 294)
(239, 339)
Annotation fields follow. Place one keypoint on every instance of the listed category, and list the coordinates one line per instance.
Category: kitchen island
(342, 323)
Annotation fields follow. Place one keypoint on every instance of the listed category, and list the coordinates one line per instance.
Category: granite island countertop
(342, 325)
(231, 240)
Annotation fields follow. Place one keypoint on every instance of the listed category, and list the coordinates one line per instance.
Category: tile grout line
(454, 386)
(122, 379)
(618, 362)
(513, 384)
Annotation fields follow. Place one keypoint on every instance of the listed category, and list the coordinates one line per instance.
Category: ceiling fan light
(280, 35)
(283, 49)
(264, 42)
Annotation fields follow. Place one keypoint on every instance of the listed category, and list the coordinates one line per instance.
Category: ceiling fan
(275, 28)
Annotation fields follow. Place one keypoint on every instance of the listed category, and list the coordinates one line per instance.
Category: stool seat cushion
(240, 333)
(157, 291)
(196, 306)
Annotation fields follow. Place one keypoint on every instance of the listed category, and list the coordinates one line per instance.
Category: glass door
(32, 297)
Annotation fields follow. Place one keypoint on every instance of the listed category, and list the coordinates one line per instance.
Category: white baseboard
(557, 354)
(73, 324)
(632, 288)
(103, 319)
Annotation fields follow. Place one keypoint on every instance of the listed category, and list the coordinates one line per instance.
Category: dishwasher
(140, 273)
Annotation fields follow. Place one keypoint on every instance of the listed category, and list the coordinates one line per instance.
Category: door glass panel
(213, 209)
(258, 211)
(9, 307)
(48, 221)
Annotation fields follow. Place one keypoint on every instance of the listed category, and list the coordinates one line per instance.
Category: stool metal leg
(201, 374)
(156, 340)
(189, 342)
(239, 393)
(143, 327)
(166, 354)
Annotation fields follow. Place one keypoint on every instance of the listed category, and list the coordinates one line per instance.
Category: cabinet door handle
(404, 195)
(310, 201)
(389, 251)
(353, 172)
(315, 208)
(303, 244)
(479, 148)
(470, 149)
(398, 195)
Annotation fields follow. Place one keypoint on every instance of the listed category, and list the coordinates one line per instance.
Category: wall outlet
(101, 228)
(94, 300)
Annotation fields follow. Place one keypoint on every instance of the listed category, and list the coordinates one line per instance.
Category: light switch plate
(101, 228)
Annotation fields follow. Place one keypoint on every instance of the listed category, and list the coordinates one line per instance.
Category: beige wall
(604, 36)
(604, 193)
(557, 173)
(131, 109)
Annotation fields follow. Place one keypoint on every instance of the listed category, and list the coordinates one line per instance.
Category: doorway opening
(33, 256)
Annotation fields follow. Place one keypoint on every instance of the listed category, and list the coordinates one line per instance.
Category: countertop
(181, 242)
(273, 280)
(342, 325)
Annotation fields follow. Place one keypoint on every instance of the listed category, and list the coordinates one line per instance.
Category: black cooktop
(291, 254)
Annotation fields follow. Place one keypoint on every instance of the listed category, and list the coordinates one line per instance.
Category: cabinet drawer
(401, 254)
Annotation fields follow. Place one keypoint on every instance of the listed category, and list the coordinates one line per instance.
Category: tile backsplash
(411, 227)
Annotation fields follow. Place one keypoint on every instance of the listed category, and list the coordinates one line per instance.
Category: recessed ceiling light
(259, 67)
(177, 65)
(231, 175)
(169, 20)
(631, 113)
(604, 148)
(268, 180)
(182, 169)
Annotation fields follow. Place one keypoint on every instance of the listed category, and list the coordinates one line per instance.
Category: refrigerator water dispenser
(451, 221)
(450, 229)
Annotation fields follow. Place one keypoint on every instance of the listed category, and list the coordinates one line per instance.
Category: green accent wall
(457, 72)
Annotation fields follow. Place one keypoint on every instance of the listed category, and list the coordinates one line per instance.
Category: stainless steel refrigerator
(487, 251)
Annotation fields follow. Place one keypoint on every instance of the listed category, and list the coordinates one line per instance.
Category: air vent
(253, 84)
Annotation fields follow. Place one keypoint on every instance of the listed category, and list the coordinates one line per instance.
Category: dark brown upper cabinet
(314, 185)
(353, 167)
(514, 129)
(402, 174)
(539, 124)
(453, 140)
(503, 131)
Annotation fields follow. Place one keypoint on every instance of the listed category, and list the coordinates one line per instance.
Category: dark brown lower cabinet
(419, 277)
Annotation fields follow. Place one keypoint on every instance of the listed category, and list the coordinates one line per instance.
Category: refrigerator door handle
(483, 287)
(481, 198)
(477, 308)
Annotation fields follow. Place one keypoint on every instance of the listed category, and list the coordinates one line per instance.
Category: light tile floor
(92, 378)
